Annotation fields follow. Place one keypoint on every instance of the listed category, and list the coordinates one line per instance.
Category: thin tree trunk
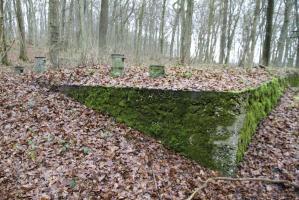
(62, 23)
(152, 27)
(69, 26)
(186, 32)
(223, 32)
(82, 31)
(257, 11)
(210, 23)
(174, 29)
(297, 25)
(3, 52)
(41, 25)
(10, 32)
(140, 27)
(189, 20)
(231, 31)
(162, 24)
(183, 33)
(103, 28)
(246, 41)
(268, 37)
(45, 17)
(90, 27)
(53, 33)
(21, 28)
(215, 31)
(283, 34)
(30, 21)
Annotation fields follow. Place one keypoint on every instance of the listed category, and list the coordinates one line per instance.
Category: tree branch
(270, 181)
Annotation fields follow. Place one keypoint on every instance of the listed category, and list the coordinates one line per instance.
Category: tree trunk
(257, 11)
(189, 20)
(268, 37)
(283, 34)
(162, 24)
(152, 24)
(3, 52)
(30, 20)
(210, 24)
(140, 27)
(62, 24)
(21, 28)
(186, 31)
(41, 25)
(223, 32)
(297, 25)
(53, 33)
(183, 32)
(82, 31)
(174, 29)
(10, 32)
(69, 28)
(103, 28)
(90, 24)
(246, 41)
(232, 30)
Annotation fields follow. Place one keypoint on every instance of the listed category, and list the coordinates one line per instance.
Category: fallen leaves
(80, 153)
(176, 78)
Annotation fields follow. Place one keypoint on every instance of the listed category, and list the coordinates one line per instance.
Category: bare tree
(223, 31)
(103, 24)
(297, 26)
(210, 24)
(152, 28)
(62, 23)
(175, 26)
(82, 30)
(162, 24)
(140, 28)
(186, 30)
(54, 33)
(232, 26)
(3, 51)
(30, 21)
(268, 37)
(257, 11)
(283, 34)
(21, 28)
(69, 25)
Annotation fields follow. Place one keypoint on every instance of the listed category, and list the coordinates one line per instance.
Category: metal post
(40, 64)
(118, 61)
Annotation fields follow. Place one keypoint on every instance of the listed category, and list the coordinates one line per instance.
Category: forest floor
(53, 147)
(176, 78)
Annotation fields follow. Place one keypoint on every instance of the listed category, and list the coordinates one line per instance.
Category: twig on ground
(154, 176)
(270, 181)
(156, 185)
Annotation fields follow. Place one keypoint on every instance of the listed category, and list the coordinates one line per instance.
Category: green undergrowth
(293, 80)
(260, 102)
(213, 128)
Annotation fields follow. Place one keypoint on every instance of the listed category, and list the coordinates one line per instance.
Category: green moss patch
(213, 128)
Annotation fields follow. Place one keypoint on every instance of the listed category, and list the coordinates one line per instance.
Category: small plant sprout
(73, 183)
(86, 150)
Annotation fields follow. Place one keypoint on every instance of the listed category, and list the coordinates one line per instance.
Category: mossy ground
(213, 128)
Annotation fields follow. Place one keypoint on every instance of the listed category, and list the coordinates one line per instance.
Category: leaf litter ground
(177, 78)
(52, 147)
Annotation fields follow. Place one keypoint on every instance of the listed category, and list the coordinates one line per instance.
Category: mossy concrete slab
(213, 128)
